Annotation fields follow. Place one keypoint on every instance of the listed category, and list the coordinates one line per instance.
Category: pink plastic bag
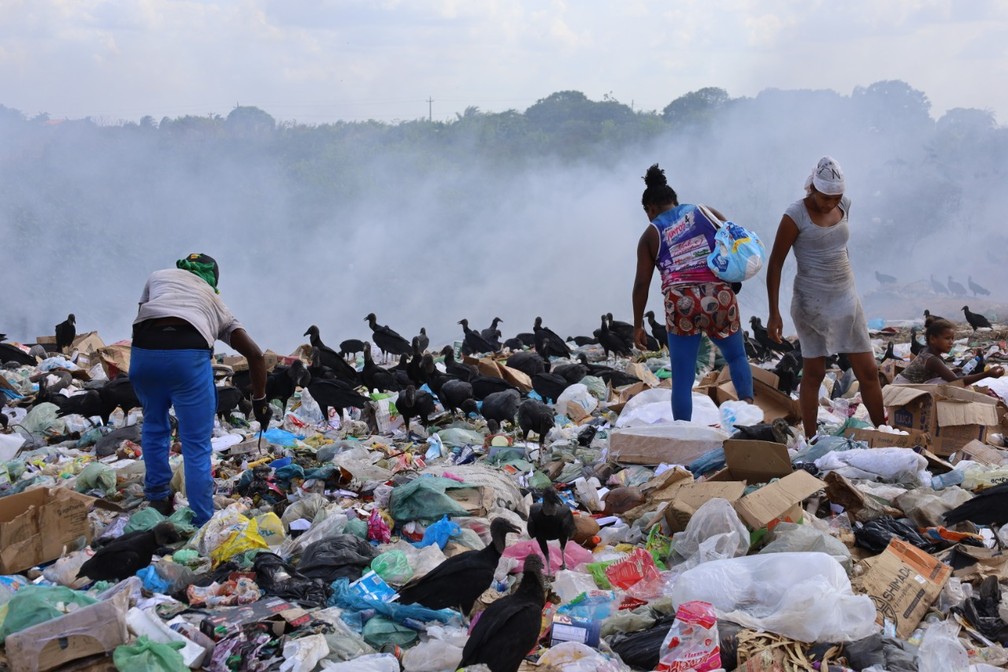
(692, 644)
(638, 566)
(574, 554)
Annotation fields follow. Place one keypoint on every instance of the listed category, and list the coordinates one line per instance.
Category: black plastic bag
(342, 556)
(876, 534)
(278, 578)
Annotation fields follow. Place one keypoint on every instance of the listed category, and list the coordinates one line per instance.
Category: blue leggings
(682, 356)
(183, 379)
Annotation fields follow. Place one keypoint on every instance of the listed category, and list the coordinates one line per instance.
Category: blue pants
(682, 357)
(183, 379)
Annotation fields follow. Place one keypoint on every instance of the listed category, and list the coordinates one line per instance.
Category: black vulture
(423, 342)
(375, 377)
(329, 358)
(430, 374)
(335, 394)
(458, 581)
(974, 287)
(582, 340)
(612, 376)
(492, 334)
(457, 369)
(624, 330)
(915, 345)
(889, 353)
(118, 393)
(454, 394)
(472, 341)
(527, 339)
(551, 519)
(484, 386)
(350, 346)
(549, 385)
(788, 371)
(527, 361)
(535, 416)
(929, 318)
(387, 340)
(955, 288)
(885, 279)
(513, 344)
(87, 404)
(12, 353)
(414, 404)
(228, 398)
(414, 368)
(547, 343)
(976, 320)
(124, 556)
(763, 338)
(509, 628)
(610, 341)
(501, 406)
(753, 349)
(937, 287)
(658, 330)
(66, 331)
(573, 372)
(989, 507)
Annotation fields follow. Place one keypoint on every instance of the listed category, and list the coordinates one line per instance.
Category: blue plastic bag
(439, 533)
(738, 253)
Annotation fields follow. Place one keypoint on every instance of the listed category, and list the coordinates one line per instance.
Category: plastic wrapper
(374, 662)
(641, 649)
(343, 643)
(692, 642)
(96, 476)
(714, 532)
(891, 465)
(804, 596)
(145, 655)
(568, 584)
(64, 570)
(941, 651)
(579, 394)
(307, 507)
(439, 533)
(792, 538)
(345, 598)
(575, 555)
(577, 657)
(432, 656)
(380, 632)
(42, 421)
(323, 527)
(240, 590)
(636, 567)
(246, 538)
(304, 653)
(276, 577)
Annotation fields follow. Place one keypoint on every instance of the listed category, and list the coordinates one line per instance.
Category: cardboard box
(654, 444)
(952, 415)
(36, 524)
(691, 496)
(477, 500)
(903, 582)
(753, 461)
(98, 628)
(115, 358)
(984, 453)
(877, 439)
(774, 403)
(779, 501)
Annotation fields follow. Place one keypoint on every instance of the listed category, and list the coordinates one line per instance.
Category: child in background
(928, 367)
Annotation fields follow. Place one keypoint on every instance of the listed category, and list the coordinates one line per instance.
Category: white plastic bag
(578, 657)
(433, 655)
(568, 584)
(892, 465)
(714, 532)
(655, 406)
(578, 394)
(804, 596)
(940, 650)
(739, 414)
(374, 662)
(795, 538)
(304, 653)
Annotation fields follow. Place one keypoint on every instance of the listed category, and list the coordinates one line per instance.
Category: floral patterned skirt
(705, 308)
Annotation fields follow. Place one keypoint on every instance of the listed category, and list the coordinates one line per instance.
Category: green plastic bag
(96, 476)
(356, 527)
(393, 567)
(659, 546)
(597, 570)
(144, 519)
(32, 605)
(144, 655)
(380, 631)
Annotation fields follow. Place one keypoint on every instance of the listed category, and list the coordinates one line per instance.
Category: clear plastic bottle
(942, 481)
(969, 366)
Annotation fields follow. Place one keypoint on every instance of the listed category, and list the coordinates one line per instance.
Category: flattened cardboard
(876, 439)
(753, 461)
(774, 403)
(903, 582)
(779, 500)
(97, 628)
(953, 415)
(36, 524)
(652, 445)
(227, 621)
(115, 358)
(984, 453)
(476, 499)
(691, 496)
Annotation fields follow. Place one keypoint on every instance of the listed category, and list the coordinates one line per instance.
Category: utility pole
(430, 110)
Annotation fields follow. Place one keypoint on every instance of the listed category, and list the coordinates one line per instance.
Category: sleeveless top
(825, 306)
(686, 238)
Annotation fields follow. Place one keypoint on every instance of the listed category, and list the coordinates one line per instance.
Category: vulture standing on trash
(375, 377)
(989, 507)
(335, 394)
(459, 581)
(350, 346)
(658, 330)
(473, 341)
(118, 393)
(937, 287)
(609, 375)
(422, 340)
(527, 361)
(457, 395)
(547, 343)
(763, 338)
(915, 345)
(955, 288)
(124, 556)
(573, 372)
(12, 353)
(484, 386)
(890, 353)
(492, 334)
(388, 340)
(501, 406)
(508, 629)
(535, 416)
(457, 369)
(975, 288)
(551, 519)
(610, 341)
(885, 279)
(976, 320)
(328, 357)
(622, 329)
(549, 386)
(582, 340)
(412, 404)
(66, 331)
(228, 399)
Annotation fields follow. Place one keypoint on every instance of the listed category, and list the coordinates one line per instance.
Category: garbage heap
(729, 542)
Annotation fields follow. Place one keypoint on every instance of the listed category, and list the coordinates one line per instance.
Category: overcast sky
(316, 61)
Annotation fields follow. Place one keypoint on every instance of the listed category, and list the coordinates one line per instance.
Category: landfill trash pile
(527, 504)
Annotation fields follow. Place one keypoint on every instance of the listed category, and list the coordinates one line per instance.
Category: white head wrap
(827, 177)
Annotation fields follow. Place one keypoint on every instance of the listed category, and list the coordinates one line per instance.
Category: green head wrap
(202, 265)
